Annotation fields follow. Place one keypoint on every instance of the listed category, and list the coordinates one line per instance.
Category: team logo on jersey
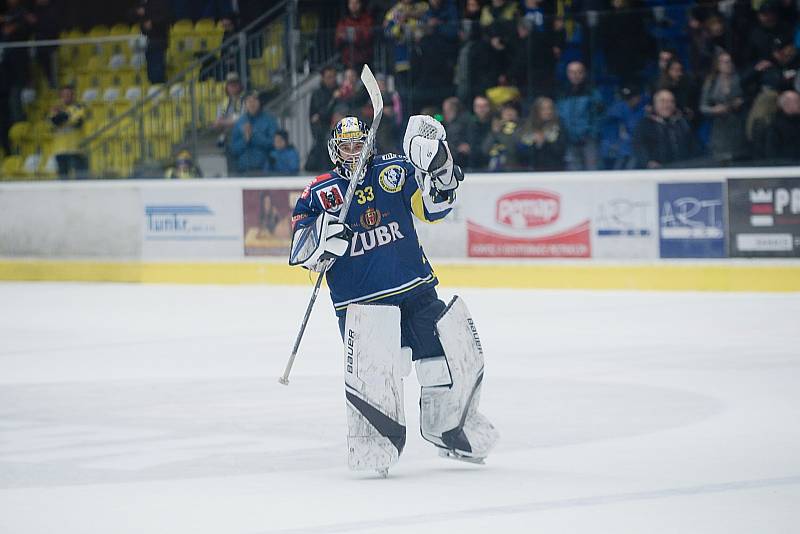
(370, 218)
(392, 178)
(331, 198)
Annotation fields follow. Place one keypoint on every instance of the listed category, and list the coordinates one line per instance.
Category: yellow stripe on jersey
(399, 291)
(418, 207)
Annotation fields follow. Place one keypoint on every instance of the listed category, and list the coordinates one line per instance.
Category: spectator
(457, 125)
(625, 40)
(534, 54)
(769, 28)
(579, 107)
(722, 101)
(389, 136)
(543, 144)
(478, 130)
(502, 142)
(782, 137)
(779, 72)
(498, 19)
(46, 26)
(707, 39)
(67, 119)
(403, 29)
(184, 167)
(351, 96)
(252, 139)
(664, 137)
(354, 35)
(320, 111)
(14, 27)
(155, 18)
(682, 86)
(284, 158)
(230, 109)
(475, 70)
(435, 54)
(619, 124)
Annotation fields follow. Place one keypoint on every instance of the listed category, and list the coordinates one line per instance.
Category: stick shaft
(284, 379)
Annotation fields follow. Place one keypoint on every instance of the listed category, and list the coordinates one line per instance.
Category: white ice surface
(156, 409)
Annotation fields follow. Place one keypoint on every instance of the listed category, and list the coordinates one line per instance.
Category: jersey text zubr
(385, 262)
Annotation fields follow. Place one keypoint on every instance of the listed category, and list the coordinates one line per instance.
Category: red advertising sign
(551, 222)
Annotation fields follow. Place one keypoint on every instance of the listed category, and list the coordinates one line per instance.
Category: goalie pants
(418, 315)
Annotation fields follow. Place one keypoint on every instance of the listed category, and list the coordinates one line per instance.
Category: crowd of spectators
(581, 85)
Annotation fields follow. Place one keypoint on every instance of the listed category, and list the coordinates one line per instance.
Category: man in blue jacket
(579, 108)
(252, 138)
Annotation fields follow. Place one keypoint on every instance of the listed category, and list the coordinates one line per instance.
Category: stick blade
(371, 84)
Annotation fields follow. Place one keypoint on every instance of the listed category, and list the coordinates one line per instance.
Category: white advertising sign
(447, 238)
(624, 219)
(192, 222)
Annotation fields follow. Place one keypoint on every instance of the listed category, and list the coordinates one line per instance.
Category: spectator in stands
(433, 61)
(67, 119)
(708, 38)
(320, 111)
(624, 37)
(783, 137)
(351, 96)
(253, 137)
(579, 107)
(534, 54)
(184, 167)
(354, 35)
(403, 29)
(14, 27)
(389, 137)
(663, 138)
(762, 36)
(475, 72)
(480, 125)
(457, 125)
(44, 19)
(230, 109)
(779, 72)
(498, 20)
(619, 124)
(722, 101)
(284, 158)
(503, 140)
(682, 86)
(155, 18)
(543, 144)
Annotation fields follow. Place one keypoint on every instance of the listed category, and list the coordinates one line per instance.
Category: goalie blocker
(450, 372)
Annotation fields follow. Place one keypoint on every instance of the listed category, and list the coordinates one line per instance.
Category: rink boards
(728, 229)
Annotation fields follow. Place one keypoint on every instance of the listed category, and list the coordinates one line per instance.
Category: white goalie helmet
(347, 140)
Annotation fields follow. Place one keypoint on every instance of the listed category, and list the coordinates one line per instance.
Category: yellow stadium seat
(205, 26)
(182, 26)
(101, 30)
(12, 167)
(48, 169)
(120, 29)
(119, 78)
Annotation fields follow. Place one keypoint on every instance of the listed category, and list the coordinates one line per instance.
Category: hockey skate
(455, 455)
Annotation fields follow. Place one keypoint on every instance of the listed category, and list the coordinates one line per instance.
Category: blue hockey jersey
(385, 262)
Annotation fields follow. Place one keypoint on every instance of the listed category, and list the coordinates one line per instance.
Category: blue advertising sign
(691, 221)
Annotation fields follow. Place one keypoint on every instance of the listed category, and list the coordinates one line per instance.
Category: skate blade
(453, 455)
(382, 473)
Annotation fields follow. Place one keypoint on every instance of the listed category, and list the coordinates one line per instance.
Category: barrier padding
(722, 276)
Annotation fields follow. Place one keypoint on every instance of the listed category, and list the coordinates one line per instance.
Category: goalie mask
(347, 139)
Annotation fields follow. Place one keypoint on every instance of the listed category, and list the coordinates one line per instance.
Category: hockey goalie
(383, 292)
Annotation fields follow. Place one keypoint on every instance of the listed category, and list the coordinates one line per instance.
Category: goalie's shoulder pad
(322, 178)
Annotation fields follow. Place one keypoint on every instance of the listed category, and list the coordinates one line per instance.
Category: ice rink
(156, 409)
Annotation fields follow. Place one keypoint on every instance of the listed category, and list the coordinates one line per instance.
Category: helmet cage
(347, 131)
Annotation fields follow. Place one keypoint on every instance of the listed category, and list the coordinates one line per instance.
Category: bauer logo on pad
(331, 198)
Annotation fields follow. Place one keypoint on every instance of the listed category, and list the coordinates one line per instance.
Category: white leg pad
(373, 370)
(449, 415)
(433, 372)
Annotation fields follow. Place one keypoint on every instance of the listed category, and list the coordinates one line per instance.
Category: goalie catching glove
(426, 146)
(324, 239)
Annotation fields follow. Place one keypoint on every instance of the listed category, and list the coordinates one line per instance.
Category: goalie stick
(375, 97)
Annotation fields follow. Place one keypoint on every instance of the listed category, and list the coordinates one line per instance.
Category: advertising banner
(546, 220)
(191, 222)
(691, 223)
(625, 220)
(267, 221)
(764, 217)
